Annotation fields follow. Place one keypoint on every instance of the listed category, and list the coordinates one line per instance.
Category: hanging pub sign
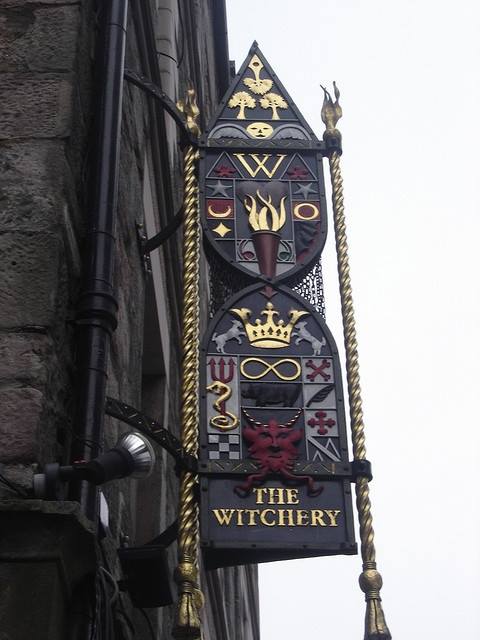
(274, 467)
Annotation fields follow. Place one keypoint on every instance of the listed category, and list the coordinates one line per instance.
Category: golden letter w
(259, 164)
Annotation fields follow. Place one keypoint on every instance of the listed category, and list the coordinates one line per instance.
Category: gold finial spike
(191, 111)
(331, 114)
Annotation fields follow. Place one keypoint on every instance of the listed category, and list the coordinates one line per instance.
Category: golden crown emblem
(269, 334)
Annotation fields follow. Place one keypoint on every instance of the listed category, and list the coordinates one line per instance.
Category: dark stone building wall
(47, 63)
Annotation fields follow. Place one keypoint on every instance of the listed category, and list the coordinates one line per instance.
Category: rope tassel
(190, 599)
(370, 580)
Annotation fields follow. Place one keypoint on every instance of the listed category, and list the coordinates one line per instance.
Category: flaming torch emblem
(258, 219)
(266, 217)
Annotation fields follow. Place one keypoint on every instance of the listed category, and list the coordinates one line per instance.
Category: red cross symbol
(320, 422)
(318, 371)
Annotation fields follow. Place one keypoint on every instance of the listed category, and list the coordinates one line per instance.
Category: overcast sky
(409, 74)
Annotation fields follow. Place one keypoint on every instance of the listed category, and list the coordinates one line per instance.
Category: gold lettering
(317, 518)
(224, 516)
(302, 514)
(280, 496)
(292, 496)
(281, 517)
(260, 494)
(277, 517)
(259, 164)
(333, 515)
(264, 521)
(274, 495)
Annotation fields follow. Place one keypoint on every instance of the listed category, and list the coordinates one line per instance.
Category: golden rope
(190, 598)
(370, 579)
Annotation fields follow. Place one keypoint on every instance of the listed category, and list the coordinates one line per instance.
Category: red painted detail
(320, 422)
(224, 171)
(220, 376)
(297, 173)
(274, 447)
(318, 370)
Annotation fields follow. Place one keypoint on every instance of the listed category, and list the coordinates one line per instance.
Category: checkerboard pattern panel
(223, 446)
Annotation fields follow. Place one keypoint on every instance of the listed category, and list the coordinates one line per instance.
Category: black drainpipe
(97, 306)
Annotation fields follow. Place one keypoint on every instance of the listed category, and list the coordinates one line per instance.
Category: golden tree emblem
(273, 101)
(243, 100)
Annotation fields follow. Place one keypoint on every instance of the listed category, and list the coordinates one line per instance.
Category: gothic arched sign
(274, 456)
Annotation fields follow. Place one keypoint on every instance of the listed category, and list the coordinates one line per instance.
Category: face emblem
(274, 447)
(260, 130)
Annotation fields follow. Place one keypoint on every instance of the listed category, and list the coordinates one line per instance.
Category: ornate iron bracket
(167, 103)
(153, 430)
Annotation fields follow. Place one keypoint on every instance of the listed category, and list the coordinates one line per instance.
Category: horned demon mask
(274, 447)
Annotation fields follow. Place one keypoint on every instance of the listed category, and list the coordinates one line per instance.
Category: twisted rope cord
(190, 340)
(187, 623)
(370, 579)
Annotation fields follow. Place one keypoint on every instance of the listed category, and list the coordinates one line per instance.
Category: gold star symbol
(222, 229)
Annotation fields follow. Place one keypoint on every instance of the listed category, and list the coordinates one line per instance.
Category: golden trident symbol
(370, 579)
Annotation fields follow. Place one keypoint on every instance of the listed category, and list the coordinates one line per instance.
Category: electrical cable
(113, 582)
(116, 600)
(148, 621)
(107, 611)
(13, 487)
(167, 55)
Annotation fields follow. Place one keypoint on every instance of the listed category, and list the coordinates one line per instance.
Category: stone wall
(45, 56)
(46, 77)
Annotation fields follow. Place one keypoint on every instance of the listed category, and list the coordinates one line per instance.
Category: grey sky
(408, 74)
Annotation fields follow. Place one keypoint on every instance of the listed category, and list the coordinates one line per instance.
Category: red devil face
(273, 445)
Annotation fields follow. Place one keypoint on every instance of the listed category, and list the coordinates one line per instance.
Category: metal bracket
(167, 536)
(167, 103)
(361, 469)
(156, 241)
(154, 430)
(332, 143)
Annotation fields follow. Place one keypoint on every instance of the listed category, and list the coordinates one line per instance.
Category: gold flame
(258, 219)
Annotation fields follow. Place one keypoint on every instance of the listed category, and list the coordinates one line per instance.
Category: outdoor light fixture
(133, 455)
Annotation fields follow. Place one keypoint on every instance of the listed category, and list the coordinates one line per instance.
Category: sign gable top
(257, 106)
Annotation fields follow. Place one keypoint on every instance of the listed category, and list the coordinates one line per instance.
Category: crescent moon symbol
(219, 214)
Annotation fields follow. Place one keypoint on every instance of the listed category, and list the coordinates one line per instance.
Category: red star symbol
(224, 171)
(297, 172)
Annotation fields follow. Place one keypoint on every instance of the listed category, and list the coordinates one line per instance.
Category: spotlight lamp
(133, 455)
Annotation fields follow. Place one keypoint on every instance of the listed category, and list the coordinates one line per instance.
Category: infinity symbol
(274, 368)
